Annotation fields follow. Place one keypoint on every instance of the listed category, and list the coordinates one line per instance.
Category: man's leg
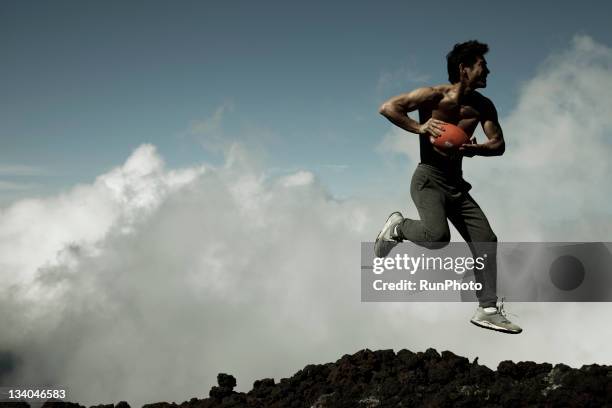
(431, 230)
(469, 219)
(471, 222)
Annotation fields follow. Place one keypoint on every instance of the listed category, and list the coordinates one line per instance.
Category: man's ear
(461, 67)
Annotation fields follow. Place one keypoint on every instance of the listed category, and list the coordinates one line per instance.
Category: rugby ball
(452, 138)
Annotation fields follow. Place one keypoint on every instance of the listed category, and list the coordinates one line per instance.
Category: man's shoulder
(441, 89)
(433, 93)
(485, 106)
(483, 99)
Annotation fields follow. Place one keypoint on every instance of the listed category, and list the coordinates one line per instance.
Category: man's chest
(451, 108)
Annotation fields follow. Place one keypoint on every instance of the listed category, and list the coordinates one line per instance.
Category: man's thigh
(430, 202)
(471, 222)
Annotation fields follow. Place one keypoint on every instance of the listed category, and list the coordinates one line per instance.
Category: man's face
(476, 75)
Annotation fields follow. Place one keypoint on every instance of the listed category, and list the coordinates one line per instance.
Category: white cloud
(147, 271)
(398, 141)
(34, 231)
(301, 178)
(209, 131)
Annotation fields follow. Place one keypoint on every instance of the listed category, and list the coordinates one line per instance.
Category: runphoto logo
(413, 264)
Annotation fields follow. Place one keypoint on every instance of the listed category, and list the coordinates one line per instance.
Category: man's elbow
(501, 148)
(386, 109)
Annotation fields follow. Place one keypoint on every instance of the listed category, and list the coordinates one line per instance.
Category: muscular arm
(396, 109)
(495, 145)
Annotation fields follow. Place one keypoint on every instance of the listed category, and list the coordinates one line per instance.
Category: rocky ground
(405, 379)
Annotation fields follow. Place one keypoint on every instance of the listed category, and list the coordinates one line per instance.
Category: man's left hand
(470, 149)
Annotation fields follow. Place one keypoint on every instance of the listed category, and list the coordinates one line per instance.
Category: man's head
(466, 63)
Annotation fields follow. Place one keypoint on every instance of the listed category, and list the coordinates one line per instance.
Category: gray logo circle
(567, 272)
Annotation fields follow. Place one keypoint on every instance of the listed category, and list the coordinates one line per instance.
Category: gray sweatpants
(438, 197)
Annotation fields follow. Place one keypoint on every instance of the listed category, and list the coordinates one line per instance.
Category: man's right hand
(433, 127)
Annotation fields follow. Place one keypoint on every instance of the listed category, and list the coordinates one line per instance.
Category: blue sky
(85, 83)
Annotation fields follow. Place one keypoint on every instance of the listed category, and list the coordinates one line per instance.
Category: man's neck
(463, 89)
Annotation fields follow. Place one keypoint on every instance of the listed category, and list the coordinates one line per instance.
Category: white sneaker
(494, 318)
(387, 239)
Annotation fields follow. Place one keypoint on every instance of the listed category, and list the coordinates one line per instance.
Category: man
(438, 189)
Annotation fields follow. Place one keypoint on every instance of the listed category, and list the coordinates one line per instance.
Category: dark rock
(263, 384)
(61, 404)
(226, 381)
(160, 405)
(16, 404)
(384, 379)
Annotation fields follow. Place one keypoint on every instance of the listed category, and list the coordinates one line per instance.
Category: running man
(438, 188)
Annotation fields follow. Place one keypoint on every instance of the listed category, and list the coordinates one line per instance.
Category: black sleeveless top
(450, 166)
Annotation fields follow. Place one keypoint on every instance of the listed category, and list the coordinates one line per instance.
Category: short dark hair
(464, 53)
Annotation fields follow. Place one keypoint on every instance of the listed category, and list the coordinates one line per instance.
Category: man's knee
(437, 239)
(488, 236)
(485, 244)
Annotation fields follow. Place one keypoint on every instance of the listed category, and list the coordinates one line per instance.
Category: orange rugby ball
(451, 138)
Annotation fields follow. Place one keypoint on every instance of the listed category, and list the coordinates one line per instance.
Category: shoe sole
(490, 326)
